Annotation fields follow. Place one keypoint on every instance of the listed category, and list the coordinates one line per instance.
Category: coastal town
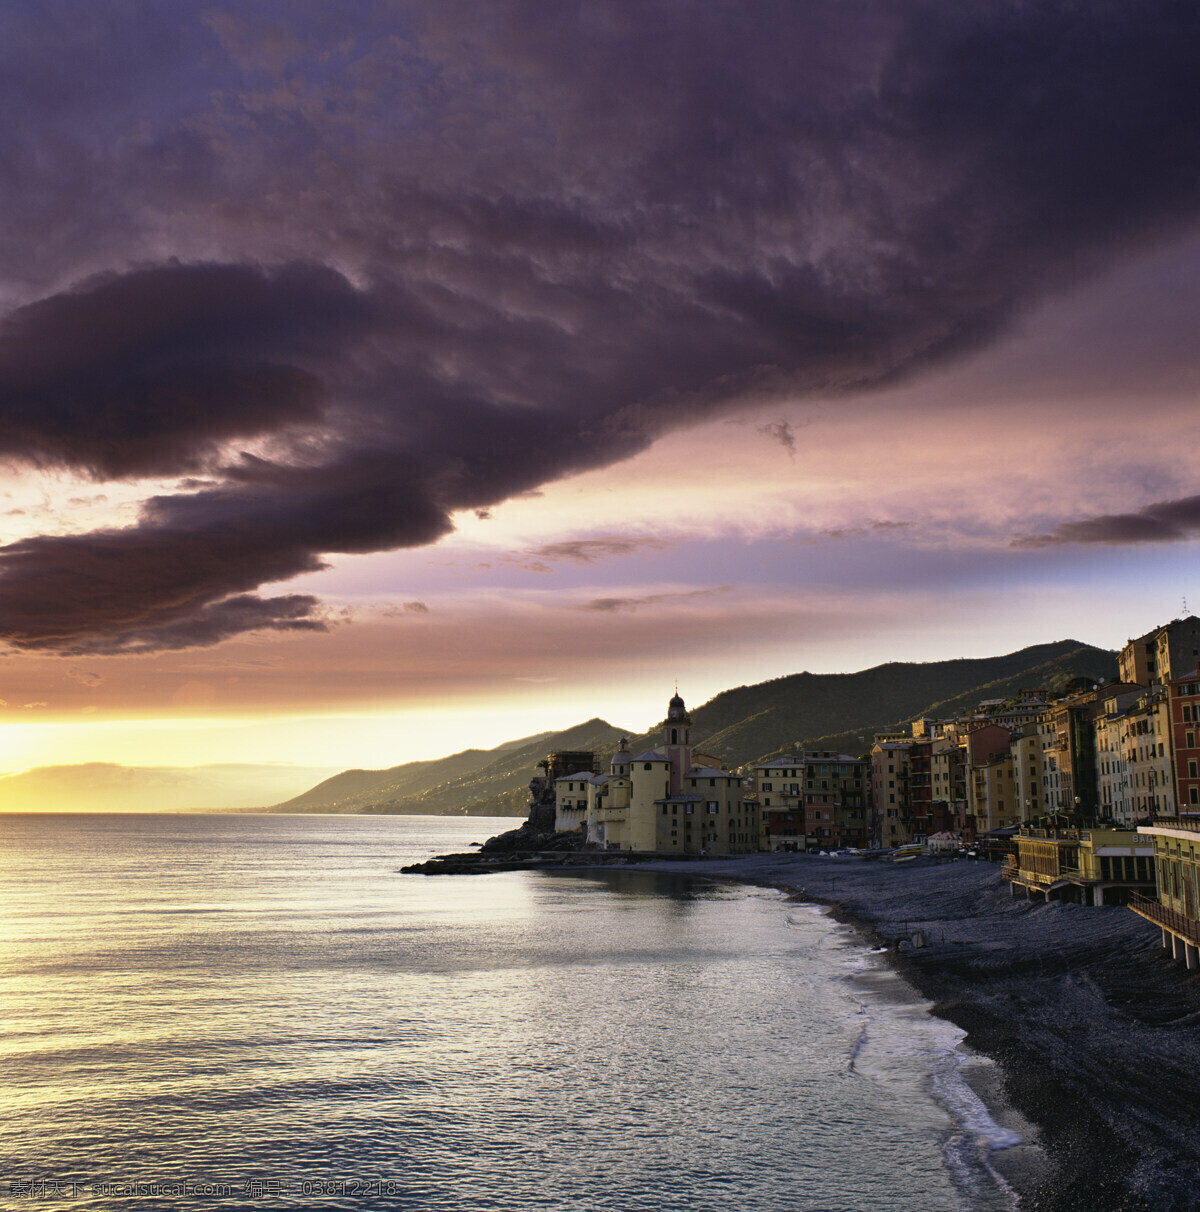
(1091, 796)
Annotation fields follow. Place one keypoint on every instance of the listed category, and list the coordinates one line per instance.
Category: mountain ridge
(740, 725)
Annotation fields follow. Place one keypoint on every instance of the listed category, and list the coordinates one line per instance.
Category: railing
(1191, 823)
(1165, 916)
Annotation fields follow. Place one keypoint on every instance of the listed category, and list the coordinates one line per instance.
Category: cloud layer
(1161, 522)
(356, 269)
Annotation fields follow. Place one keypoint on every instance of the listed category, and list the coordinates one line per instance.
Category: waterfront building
(1088, 866)
(571, 801)
(1177, 910)
(920, 788)
(835, 799)
(891, 806)
(813, 799)
(669, 799)
(948, 795)
(779, 788)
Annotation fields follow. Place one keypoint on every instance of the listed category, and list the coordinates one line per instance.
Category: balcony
(1166, 918)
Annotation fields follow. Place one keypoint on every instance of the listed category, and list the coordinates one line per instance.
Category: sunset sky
(385, 377)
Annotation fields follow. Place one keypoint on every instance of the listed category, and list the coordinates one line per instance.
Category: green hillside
(827, 711)
(747, 723)
(476, 782)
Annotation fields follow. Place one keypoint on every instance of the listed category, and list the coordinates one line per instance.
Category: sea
(261, 1011)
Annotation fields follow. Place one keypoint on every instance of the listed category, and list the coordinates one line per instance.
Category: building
(669, 799)
(948, 795)
(779, 786)
(1184, 713)
(1088, 866)
(1177, 910)
(1145, 741)
(1162, 654)
(835, 799)
(891, 807)
(817, 799)
(1028, 770)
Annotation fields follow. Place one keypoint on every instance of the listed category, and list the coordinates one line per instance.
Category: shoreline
(1094, 1030)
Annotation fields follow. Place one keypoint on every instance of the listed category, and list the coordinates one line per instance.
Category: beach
(1095, 1030)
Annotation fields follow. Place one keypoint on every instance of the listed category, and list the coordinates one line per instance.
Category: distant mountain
(476, 782)
(106, 787)
(836, 711)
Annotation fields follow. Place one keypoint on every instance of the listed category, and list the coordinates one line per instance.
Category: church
(667, 800)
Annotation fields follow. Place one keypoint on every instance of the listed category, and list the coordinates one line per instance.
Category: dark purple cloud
(148, 372)
(1161, 522)
(428, 257)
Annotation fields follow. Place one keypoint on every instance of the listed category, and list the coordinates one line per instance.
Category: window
(690, 809)
(1192, 770)
(648, 766)
(664, 810)
(766, 786)
(712, 807)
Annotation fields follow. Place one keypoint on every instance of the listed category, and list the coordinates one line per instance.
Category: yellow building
(668, 800)
(891, 806)
(1177, 876)
(1028, 771)
(1089, 866)
(992, 794)
(1043, 859)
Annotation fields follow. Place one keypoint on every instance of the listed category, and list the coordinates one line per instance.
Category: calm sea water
(259, 1011)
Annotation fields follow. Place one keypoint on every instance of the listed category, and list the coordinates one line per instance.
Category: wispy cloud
(631, 604)
(593, 551)
(781, 431)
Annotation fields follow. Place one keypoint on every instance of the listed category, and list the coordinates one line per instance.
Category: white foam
(901, 1044)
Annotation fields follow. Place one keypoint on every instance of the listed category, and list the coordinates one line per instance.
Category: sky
(383, 378)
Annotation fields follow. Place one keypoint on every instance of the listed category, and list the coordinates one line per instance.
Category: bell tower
(677, 741)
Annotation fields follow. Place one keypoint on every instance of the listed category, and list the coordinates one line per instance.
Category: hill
(476, 782)
(817, 710)
(828, 711)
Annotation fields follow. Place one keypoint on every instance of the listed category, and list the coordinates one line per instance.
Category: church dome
(676, 710)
